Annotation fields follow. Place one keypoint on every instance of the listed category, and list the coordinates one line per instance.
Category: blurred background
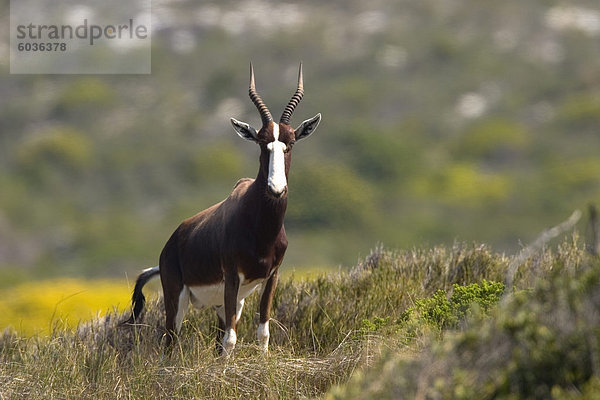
(443, 121)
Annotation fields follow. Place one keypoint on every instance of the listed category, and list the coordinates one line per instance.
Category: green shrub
(464, 183)
(216, 163)
(329, 195)
(373, 325)
(446, 311)
(580, 112)
(494, 140)
(85, 95)
(539, 344)
(60, 148)
(379, 155)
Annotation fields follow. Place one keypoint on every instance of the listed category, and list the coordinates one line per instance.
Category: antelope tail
(138, 300)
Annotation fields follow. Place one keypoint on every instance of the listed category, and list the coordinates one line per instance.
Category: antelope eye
(289, 146)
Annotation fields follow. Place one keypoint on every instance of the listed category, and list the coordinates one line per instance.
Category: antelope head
(276, 139)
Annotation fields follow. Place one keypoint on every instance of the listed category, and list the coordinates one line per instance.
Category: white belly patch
(213, 295)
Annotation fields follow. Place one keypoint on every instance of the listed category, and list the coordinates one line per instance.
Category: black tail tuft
(138, 300)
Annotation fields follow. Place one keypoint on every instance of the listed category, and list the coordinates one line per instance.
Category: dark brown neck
(270, 212)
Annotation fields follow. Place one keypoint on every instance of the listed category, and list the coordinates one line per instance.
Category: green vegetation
(442, 312)
(443, 123)
(435, 323)
(539, 343)
(464, 121)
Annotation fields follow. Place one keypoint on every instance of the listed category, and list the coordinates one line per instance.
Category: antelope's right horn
(265, 114)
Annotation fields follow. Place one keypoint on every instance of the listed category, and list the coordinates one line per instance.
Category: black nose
(277, 195)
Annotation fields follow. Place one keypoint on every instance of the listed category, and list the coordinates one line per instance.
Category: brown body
(241, 236)
(222, 254)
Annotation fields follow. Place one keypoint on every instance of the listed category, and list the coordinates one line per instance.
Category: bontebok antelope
(221, 255)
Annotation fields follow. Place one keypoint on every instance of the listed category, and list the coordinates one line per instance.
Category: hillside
(425, 323)
(442, 121)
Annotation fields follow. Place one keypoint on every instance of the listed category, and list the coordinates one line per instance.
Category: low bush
(540, 343)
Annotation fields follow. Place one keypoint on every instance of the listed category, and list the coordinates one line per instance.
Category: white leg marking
(229, 341)
(263, 336)
(184, 299)
(238, 310)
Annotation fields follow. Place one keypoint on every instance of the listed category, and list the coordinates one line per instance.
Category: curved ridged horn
(289, 109)
(265, 114)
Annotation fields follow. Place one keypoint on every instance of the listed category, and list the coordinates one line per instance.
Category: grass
(377, 331)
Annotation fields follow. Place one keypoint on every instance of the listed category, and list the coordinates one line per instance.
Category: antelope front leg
(232, 284)
(268, 291)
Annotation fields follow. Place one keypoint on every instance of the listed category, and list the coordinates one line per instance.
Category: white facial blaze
(277, 181)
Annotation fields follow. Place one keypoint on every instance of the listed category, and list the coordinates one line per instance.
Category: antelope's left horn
(289, 109)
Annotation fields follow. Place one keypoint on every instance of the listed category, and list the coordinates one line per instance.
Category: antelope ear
(307, 127)
(244, 130)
